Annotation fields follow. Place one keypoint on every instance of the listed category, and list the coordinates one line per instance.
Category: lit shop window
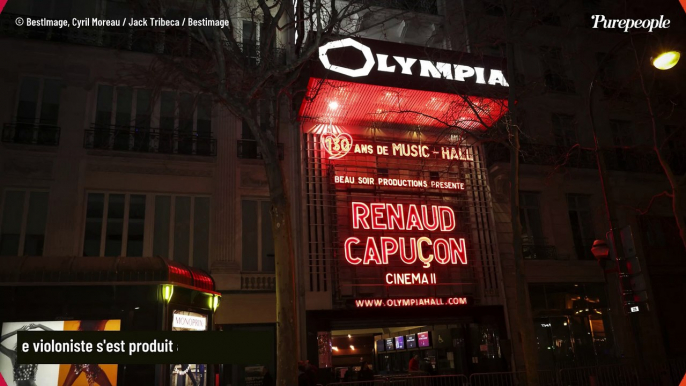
(116, 225)
(23, 219)
(257, 241)
(571, 323)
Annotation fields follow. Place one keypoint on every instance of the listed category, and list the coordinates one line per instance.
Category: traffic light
(631, 276)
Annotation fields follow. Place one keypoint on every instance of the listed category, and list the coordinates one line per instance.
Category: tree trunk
(286, 322)
(524, 319)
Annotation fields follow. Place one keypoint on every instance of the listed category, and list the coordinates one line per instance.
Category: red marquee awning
(348, 103)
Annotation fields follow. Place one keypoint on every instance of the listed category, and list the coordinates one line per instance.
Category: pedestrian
(366, 374)
(311, 373)
(302, 375)
(267, 379)
(413, 366)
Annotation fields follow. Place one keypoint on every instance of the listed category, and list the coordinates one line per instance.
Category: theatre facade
(400, 248)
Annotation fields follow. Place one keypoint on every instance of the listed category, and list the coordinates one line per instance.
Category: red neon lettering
(413, 251)
(348, 253)
(441, 258)
(377, 214)
(458, 251)
(371, 252)
(389, 246)
(360, 214)
(427, 260)
(450, 225)
(396, 216)
(413, 219)
(425, 216)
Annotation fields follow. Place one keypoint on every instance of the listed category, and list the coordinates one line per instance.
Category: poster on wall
(188, 374)
(54, 375)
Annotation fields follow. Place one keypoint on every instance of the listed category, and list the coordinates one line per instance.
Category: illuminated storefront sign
(398, 182)
(338, 145)
(409, 250)
(405, 302)
(408, 66)
(410, 278)
(189, 322)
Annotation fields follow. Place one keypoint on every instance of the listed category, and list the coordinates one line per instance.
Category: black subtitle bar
(146, 347)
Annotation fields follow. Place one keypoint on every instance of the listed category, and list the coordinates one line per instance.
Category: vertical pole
(625, 293)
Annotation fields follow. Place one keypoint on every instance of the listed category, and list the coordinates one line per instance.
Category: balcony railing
(31, 133)
(258, 281)
(130, 138)
(248, 149)
(539, 252)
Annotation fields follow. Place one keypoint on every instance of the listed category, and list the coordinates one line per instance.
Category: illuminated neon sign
(413, 150)
(410, 218)
(410, 278)
(406, 66)
(405, 302)
(398, 182)
(338, 145)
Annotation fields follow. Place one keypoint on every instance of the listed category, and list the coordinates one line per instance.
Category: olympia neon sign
(409, 250)
(407, 66)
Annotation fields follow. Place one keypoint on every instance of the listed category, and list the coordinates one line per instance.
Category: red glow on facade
(363, 104)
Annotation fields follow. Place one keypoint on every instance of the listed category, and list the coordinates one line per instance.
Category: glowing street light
(666, 60)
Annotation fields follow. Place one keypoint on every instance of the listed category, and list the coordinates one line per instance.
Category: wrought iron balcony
(539, 252)
(248, 149)
(31, 133)
(145, 140)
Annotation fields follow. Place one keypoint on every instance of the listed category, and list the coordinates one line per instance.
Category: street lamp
(666, 60)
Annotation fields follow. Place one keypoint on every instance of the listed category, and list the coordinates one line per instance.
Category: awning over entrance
(51, 271)
(339, 102)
